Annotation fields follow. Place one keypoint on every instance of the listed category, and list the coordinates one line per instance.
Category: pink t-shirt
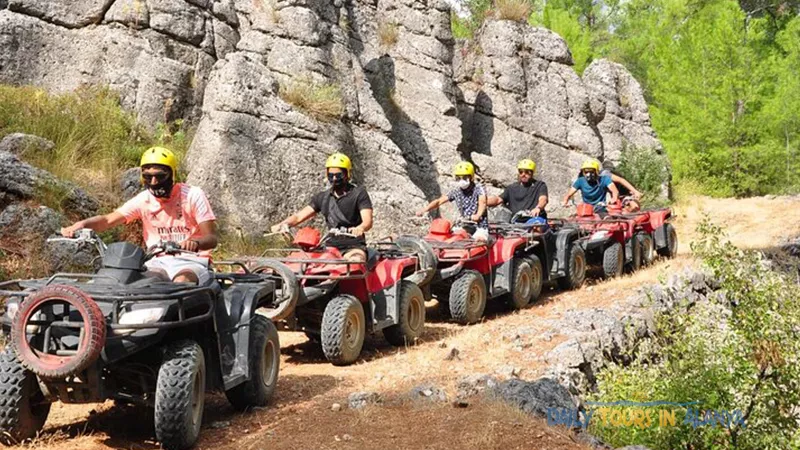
(175, 219)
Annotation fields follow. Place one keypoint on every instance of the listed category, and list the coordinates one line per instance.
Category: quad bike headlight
(139, 316)
(598, 235)
(12, 308)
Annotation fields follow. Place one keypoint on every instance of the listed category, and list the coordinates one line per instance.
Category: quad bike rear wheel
(613, 260)
(645, 242)
(468, 297)
(411, 316)
(671, 248)
(286, 286)
(265, 359)
(180, 395)
(537, 277)
(575, 268)
(46, 308)
(636, 256)
(424, 251)
(23, 408)
(343, 330)
(521, 283)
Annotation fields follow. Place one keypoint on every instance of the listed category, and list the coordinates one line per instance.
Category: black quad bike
(555, 253)
(130, 335)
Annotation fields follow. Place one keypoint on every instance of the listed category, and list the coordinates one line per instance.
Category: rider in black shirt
(527, 194)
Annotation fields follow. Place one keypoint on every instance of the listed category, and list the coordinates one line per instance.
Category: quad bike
(653, 233)
(336, 301)
(606, 239)
(553, 255)
(130, 335)
(469, 271)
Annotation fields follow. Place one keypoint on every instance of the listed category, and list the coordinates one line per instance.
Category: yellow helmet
(339, 161)
(591, 163)
(527, 164)
(464, 168)
(162, 156)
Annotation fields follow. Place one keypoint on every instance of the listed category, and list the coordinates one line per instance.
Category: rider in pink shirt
(169, 212)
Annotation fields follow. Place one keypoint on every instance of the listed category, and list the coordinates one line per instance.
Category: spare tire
(287, 289)
(424, 251)
(50, 365)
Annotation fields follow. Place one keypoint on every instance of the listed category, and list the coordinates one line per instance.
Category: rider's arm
(614, 192)
(299, 217)
(366, 220)
(434, 204)
(569, 195)
(494, 200)
(542, 202)
(208, 240)
(96, 223)
(481, 206)
(626, 184)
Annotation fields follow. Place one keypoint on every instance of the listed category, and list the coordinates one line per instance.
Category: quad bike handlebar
(167, 248)
(86, 235)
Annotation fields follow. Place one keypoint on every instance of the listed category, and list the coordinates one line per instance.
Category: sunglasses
(588, 172)
(160, 177)
(463, 177)
(525, 171)
(335, 176)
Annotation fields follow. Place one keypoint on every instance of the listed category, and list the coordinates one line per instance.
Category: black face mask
(162, 188)
(337, 180)
(591, 177)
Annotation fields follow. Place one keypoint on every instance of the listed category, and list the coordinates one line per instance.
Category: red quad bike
(336, 301)
(554, 255)
(127, 334)
(607, 241)
(653, 233)
(469, 271)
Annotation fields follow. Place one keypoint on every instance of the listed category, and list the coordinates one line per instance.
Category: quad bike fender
(659, 217)
(232, 318)
(564, 238)
(504, 249)
(388, 272)
(503, 278)
(628, 248)
(384, 308)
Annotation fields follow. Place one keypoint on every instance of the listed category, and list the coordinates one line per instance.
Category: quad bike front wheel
(54, 312)
(411, 316)
(575, 272)
(265, 359)
(537, 277)
(468, 297)
(180, 395)
(613, 260)
(521, 282)
(23, 408)
(343, 330)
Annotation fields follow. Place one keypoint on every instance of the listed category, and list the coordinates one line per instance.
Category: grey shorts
(171, 266)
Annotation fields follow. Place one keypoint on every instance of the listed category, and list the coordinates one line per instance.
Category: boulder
(20, 143)
(535, 397)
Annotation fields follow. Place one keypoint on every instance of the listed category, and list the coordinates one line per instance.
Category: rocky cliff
(413, 100)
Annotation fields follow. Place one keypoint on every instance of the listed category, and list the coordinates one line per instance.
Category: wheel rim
(673, 242)
(580, 270)
(536, 279)
(523, 287)
(415, 314)
(352, 330)
(198, 389)
(474, 298)
(268, 366)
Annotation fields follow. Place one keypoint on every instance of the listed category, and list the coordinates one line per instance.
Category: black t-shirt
(519, 197)
(345, 211)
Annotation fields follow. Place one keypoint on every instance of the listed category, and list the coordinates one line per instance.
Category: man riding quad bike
(130, 334)
(336, 299)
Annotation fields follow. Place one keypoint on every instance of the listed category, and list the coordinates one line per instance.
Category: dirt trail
(302, 417)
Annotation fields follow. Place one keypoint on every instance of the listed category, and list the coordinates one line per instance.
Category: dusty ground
(301, 416)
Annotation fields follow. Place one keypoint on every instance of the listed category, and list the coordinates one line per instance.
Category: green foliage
(738, 350)
(95, 139)
(647, 170)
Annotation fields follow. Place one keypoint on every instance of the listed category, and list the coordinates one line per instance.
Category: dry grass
(322, 101)
(388, 33)
(516, 10)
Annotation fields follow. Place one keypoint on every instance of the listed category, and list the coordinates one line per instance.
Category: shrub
(739, 349)
(647, 170)
(322, 101)
(387, 34)
(516, 10)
